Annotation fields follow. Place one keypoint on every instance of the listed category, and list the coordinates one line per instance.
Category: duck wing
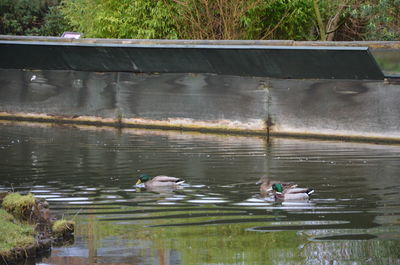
(295, 190)
(306, 191)
(289, 185)
(167, 179)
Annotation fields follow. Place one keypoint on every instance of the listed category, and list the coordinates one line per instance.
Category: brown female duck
(266, 185)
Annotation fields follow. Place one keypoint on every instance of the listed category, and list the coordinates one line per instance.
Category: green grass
(63, 227)
(14, 234)
(19, 206)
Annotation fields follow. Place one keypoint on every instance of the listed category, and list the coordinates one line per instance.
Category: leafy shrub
(120, 18)
(211, 19)
(280, 19)
(29, 17)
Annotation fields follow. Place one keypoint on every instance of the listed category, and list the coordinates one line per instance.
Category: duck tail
(179, 181)
(310, 191)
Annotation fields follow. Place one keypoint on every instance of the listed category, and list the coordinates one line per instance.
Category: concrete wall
(328, 108)
(311, 108)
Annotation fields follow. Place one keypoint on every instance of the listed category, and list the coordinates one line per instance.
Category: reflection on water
(218, 217)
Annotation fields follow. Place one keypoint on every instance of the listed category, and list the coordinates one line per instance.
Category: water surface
(218, 217)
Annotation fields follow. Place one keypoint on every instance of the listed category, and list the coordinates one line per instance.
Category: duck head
(142, 179)
(277, 187)
(263, 180)
(265, 184)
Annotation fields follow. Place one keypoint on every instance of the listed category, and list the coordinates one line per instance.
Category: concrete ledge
(225, 126)
(202, 127)
(370, 44)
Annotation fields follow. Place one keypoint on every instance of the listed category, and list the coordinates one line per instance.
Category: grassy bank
(26, 227)
(14, 234)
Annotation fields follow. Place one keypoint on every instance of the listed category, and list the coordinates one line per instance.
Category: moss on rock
(26, 229)
(20, 206)
(63, 228)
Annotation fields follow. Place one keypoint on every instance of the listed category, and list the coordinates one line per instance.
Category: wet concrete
(335, 109)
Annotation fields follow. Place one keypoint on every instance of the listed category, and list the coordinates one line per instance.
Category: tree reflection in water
(218, 217)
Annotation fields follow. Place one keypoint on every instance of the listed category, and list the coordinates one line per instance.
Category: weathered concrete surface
(228, 101)
(338, 109)
(172, 100)
(335, 109)
(370, 44)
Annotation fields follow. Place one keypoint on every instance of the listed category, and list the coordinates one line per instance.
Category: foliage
(63, 227)
(13, 234)
(205, 19)
(361, 19)
(211, 19)
(19, 16)
(54, 23)
(29, 17)
(382, 18)
(280, 19)
(120, 18)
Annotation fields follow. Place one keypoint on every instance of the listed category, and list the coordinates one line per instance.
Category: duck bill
(138, 182)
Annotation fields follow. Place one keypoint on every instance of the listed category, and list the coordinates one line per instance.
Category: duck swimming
(158, 181)
(290, 193)
(266, 185)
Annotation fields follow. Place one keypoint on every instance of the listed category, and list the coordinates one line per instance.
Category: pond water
(218, 217)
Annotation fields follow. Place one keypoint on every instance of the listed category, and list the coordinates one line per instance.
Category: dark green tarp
(285, 62)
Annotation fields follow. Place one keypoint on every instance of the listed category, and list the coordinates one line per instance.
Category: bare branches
(211, 19)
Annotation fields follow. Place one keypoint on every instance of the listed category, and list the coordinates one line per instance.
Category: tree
(30, 17)
(358, 19)
(372, 20)
(211, 19)
(280, 19)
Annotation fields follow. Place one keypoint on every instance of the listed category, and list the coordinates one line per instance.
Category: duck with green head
(158, 181)
(291, 194)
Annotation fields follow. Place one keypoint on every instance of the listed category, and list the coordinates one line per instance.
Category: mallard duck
(290, 193)
(158, 181)
(266, 185)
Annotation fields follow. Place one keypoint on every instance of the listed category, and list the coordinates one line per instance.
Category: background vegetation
(205, 19)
